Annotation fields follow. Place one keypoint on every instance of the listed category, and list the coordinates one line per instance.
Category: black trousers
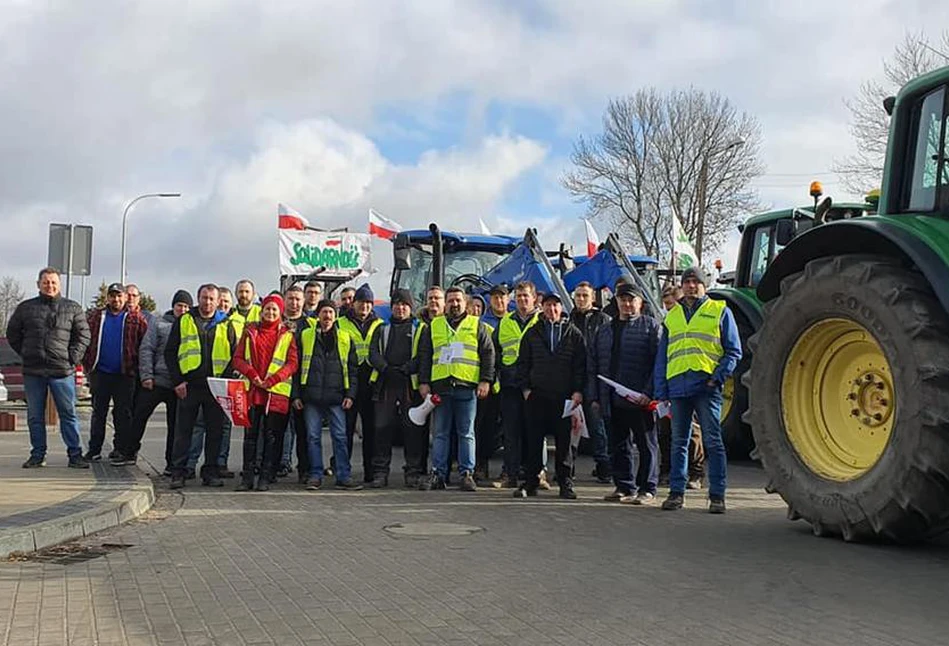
(364, 408)
(145, 404)
(297, 426)
(416, 444)
(514, 425)
(106, 388)
(264, 428)
(629, 428)
(486, 430)
(544, 417)
(391, 415)
(198, 400)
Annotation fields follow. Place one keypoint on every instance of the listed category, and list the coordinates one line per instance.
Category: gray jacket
(151, 354)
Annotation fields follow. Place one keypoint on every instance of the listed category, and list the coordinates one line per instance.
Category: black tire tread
(919, 507)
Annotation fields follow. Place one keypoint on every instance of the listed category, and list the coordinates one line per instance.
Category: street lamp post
(703, 191)
(125, 219)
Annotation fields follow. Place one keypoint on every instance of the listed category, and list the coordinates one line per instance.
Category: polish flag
(288, 218)
(381, 226)
(593, 241)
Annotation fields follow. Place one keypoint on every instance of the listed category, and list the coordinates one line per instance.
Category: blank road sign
(81, 251)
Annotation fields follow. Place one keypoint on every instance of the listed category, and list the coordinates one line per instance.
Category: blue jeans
(456, 414)
(63, 390)
(197, 443)
(596, 427)
(707, 407)
(313, 416)
(289, 442)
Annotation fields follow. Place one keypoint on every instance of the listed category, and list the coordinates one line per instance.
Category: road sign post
(70, 250)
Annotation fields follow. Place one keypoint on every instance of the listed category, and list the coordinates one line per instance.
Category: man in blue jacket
(699, 350)
(624, 350)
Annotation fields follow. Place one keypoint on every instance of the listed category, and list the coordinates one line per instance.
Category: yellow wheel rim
(837, 399)
(728, 395)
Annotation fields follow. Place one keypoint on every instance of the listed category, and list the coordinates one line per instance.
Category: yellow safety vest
(189, 351)
(277, 362)
(464, 365)
(238, 320)
(361, 342)
(307, 343)
(695, 344)
(416, 335)
(510, 335)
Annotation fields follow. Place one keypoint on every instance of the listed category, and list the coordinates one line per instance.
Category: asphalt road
(408, 567)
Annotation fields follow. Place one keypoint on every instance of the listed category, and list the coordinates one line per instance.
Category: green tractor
(763, 236)
(849, 377)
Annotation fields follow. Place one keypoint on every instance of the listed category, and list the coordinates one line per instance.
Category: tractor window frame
(755, 253)
(930, 109)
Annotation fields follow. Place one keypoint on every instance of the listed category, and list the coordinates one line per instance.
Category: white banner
(341, 253)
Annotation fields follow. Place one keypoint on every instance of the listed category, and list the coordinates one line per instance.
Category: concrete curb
(130, 503)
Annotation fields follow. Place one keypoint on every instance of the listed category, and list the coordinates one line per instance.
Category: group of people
(307, 361)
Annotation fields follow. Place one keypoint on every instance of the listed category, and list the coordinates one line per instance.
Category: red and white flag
(289, 218)
(593, 241)
(380, 225)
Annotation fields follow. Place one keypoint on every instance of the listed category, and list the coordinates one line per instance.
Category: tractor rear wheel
(849, 399)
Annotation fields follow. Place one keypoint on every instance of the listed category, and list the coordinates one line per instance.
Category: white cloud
(239, 104)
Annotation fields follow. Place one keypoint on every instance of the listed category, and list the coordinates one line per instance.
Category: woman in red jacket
(266, 356)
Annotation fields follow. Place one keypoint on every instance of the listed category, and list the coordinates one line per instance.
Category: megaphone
(419, 414)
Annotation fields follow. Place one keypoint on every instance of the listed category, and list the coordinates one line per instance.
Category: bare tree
(869, 125)
(10, 296)
(687, 153)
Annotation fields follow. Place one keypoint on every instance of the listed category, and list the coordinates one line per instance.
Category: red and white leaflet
(232, 397)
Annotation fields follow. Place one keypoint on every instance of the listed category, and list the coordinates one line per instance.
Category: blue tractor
(474, 262)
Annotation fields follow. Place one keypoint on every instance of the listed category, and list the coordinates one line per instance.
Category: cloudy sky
(432, 110)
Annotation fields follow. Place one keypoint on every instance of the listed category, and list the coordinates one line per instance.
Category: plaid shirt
(133, 331)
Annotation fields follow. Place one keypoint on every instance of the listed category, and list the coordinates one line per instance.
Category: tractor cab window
(928, 160)
(760, 255)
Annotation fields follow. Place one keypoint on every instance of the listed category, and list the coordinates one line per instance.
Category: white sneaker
(644, 498)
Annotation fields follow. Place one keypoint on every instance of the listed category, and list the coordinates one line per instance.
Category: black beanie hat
(403, 296)
(326, 303)
(182, 296)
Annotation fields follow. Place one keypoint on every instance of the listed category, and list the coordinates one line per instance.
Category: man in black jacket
(199, 346)
(551, 368)
(392, 356)
(589, 320)
(51, 335)
(324, 388)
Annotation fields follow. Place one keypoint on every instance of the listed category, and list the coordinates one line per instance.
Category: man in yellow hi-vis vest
(456, 361)
(199, 346)
(507, 342)
(393, 353)
(699, 350)
(360, 322)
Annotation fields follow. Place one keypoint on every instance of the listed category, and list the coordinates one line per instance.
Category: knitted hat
(182, 296)
(325, 303)
(276, 299)
(403, 296)
(364, 293)
(696, 273)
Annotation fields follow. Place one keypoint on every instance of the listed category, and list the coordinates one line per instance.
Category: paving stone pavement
(292, 567)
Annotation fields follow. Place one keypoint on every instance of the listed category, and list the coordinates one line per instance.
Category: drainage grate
(70, 553)
(425, 530)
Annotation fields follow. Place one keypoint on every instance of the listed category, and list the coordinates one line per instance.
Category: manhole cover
(432, 529)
